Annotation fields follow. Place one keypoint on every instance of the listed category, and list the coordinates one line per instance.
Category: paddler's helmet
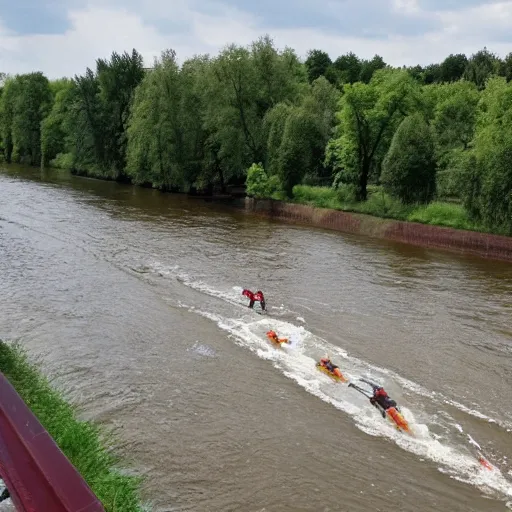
(272, 334)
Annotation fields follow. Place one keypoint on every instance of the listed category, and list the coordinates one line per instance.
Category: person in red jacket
(381, 398)
(255, 297)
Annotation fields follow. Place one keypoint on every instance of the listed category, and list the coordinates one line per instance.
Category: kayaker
(326, 363)
(381, 397)
(255, 297)
(275, 338)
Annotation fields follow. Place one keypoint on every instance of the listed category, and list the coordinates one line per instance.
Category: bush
(442, 214)
(260, 185)
(62, 161)
(381, 204)
(321, 197)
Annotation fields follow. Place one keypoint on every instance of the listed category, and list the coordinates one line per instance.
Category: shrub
(260, 185)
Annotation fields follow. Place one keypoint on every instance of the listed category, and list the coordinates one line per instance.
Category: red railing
(37, 474)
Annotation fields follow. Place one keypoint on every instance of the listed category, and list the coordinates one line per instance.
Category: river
(132, 299)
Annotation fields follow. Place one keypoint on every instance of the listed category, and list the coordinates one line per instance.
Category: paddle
(363, 392)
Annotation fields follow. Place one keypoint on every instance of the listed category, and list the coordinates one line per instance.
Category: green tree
(84, 128)
(455, 114)
(32, 102)
(117, 80)
(431, 74)
(156, 135)
(274, 125)
(241, 87)
(317, 64)
(349, 67)
(301, 149)
(369, 115)
(7, 102)
(53, 133)
(370, 67)
(232, 114)
(409, 168)
(291, 139)
(453, 67)
(487, 173)
(481, 66)
(505, 67)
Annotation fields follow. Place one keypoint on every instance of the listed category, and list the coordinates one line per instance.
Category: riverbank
(421, 235)
(83, 443)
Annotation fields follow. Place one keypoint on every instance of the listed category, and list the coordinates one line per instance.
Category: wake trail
(297, 361)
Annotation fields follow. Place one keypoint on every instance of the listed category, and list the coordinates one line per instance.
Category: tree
(84, 127)
(481, 66)
(487, 174)
(232, 119)
(453, 121)
(301, 137)
(117, 80)
(369, 115)
(156, 137)
(286, 131)
(431, 74)
(29, 102)
(409, 168)
(317, 64)
(8, 99)
(505, 67)
(53, 133)
(453, 67)
(274, 125)
(455, 114)
(369, 67)
(349, 67)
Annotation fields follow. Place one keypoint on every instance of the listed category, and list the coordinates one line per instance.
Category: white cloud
(406, 6)
(96, 31)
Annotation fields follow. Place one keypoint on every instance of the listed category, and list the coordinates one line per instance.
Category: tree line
(260, 114)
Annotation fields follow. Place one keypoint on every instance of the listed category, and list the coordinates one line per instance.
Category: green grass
(443, 214)
(83, 443)
(381, 204)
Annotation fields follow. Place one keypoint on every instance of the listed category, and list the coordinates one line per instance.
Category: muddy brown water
(132, 299)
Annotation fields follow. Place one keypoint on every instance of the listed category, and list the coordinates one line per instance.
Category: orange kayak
(485, 463)
(336, 375)
(398, 419)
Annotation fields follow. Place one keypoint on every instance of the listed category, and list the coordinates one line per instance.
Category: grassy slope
(82, 442)
(380, 204)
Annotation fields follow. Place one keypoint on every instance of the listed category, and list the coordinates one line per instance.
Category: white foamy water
(297, 361)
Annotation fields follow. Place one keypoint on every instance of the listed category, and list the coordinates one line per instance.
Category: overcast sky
(63, 37)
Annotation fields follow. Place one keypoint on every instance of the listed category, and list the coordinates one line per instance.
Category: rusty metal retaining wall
(422, 235)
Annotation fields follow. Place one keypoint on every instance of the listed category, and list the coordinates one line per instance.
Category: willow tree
(53, 128)
(117, 80)
(25, 102)
(155, 134)
(487, 176)
(409, 168)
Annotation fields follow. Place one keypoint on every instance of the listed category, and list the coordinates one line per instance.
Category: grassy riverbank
(83, 443)
(381, 204)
